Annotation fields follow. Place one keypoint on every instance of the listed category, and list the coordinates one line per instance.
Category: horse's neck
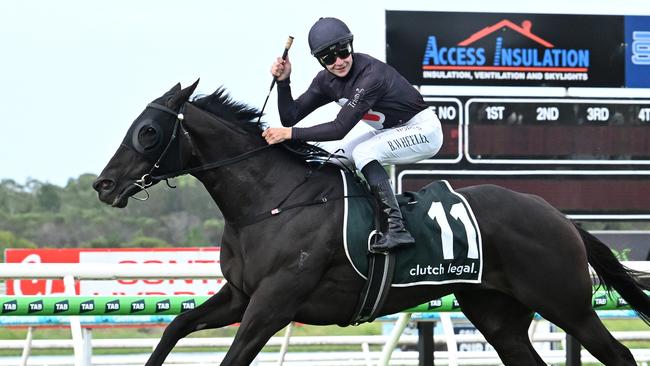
(252, 185)
(246, 187)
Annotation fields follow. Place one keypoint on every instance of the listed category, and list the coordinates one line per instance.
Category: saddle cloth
(447, 246)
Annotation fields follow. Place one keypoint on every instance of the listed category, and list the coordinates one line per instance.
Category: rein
(150, 179)
(216, 164)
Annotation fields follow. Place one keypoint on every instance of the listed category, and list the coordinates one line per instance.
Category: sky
(74, 74)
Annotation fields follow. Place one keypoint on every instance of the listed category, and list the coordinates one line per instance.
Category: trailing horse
(292, 266)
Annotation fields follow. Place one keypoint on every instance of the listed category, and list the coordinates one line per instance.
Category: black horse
(292, 266)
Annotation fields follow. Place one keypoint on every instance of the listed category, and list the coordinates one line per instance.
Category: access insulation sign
(450, 48)
(120, 257)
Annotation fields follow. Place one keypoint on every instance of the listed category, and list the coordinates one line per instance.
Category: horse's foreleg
(272, 306)
(224, 308)
(261, 321)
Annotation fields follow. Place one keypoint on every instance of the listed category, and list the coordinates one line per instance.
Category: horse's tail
(614, 275)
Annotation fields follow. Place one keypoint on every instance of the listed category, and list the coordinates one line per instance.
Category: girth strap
(381, 267)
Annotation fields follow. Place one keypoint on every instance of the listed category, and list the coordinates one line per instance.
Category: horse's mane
(222, 105)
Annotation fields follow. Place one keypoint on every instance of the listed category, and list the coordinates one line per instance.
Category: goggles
(329, 56)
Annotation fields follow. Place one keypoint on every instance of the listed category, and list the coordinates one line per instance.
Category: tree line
(43, 215)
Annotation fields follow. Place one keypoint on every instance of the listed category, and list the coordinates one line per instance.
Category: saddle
(447, 250)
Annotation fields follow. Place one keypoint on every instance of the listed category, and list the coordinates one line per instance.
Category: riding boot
(395, 235)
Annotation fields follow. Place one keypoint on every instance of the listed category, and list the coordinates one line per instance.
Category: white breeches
(417, 139)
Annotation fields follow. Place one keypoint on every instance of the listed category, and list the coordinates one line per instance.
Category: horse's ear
(174, 89)
(182, 96)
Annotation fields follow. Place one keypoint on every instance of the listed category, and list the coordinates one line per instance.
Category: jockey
(405, 129)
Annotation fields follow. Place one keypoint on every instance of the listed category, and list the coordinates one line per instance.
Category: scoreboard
(558, 131)
(589, 158)
(544, 131)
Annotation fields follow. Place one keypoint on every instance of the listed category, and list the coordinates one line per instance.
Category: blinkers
(153, 136)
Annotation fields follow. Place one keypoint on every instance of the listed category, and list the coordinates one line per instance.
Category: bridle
(147, 179)
(150, 178)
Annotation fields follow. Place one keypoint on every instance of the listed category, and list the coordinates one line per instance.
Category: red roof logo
(523, 29)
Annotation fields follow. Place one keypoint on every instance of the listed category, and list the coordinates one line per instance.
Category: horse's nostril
(103, 185)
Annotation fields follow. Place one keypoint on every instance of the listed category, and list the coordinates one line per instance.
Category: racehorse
(291, 266)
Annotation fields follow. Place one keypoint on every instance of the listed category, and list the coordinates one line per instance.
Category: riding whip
(275, 78)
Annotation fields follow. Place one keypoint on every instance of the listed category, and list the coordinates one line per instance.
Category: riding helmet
(327, 32)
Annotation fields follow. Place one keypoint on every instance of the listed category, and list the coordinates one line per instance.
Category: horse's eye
(148, 137)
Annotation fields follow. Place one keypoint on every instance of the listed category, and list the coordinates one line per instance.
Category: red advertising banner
(133, 287)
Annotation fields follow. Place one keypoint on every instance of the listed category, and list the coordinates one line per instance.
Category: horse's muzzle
(103, 185)
(105, 188)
